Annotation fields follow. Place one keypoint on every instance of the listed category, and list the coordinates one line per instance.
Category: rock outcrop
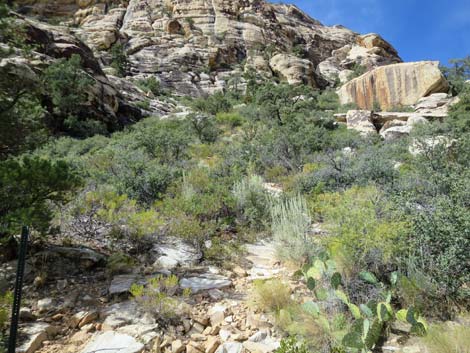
(194, 47)
(394, 85)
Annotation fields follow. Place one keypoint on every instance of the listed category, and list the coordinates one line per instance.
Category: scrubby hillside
(227, 177)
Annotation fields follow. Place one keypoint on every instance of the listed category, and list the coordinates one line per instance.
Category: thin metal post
(15, 314)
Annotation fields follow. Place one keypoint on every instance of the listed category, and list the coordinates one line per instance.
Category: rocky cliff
(194, 46)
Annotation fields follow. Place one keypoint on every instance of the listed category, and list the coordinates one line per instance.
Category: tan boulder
(360, 120)
(373, 40)
(293, 69)
(394, 85)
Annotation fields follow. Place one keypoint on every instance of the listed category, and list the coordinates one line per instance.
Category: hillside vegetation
(379, 231)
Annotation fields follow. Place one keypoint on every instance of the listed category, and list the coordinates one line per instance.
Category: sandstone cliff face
(193, 46)
(394, 85)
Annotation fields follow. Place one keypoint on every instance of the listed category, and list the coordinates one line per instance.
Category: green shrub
(151, 84)
(366, 232)
(252, 201)
(358, 70)
(291, 345)
(204, 127)
(104, 210)
(290, 224)
(165, 140)
(232, 119)
(213, 104)
(159, 298)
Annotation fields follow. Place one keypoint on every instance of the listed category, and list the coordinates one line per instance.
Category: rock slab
(394, 85)
(112, 342)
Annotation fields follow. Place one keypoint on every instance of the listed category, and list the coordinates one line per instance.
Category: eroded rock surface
(394, 85)
(195, 46)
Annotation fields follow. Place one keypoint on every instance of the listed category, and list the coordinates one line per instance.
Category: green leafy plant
(291, 345)
(371, 320)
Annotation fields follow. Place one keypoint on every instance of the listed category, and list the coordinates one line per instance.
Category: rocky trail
(78, 317)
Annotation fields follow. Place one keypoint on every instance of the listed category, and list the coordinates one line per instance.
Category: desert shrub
(438, 241)
(290, 224)
(328, 100)
(204, 127)
(252, 202)
(271, 295)
(143, 180)
(366, 231)
(150, 84)
(358, 70)
(189, 228)
(164, 140)
(447, 338)
(458, 120)
(433, 191)
(223, 252)
(203, 195)
(213, 104)
(104, 211)
(231, 119)
(292, 345)
(159, 298)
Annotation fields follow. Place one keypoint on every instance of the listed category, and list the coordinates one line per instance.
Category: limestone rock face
(394, 85)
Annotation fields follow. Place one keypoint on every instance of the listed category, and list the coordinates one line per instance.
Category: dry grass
(448, 339)
(271, 295)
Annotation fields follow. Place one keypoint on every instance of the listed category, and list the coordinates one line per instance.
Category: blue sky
(418, 29)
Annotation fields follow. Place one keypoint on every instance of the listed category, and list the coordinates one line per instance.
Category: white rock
(113, 342)
(174, 252)
(396, 132)
(45, 304)
(259, 336)
(35, 334)
(122, 284)
(230, 347)
(205, 282)
(416, 120)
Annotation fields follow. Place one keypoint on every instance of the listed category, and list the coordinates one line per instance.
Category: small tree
(119, 59)
(28, 188)
(457, 73)
(68, 87)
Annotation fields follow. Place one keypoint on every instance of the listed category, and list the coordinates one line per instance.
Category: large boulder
(293, 69)
(394, 85)
(361, 120)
